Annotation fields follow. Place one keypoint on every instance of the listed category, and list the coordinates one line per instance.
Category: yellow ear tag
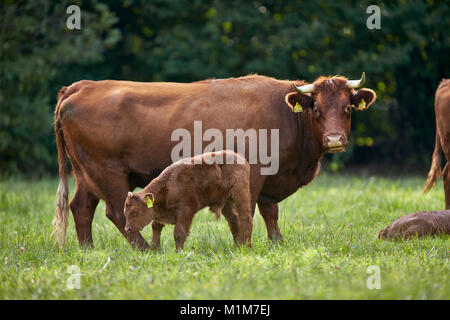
(362, 105)
(149, 202)
(298, 107)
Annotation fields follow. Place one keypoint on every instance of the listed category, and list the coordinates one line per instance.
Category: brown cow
(117, 135)
(418, 224)
(442, 142)
(219, 180)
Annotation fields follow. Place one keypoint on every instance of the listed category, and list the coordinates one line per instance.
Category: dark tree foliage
(189, 40)
(36, 49)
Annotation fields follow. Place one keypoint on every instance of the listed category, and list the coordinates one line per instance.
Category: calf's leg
(233, 221)
(242, 204)
(182, 228)
(156, 235)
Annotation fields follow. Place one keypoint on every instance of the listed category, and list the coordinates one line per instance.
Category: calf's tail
(61, 205)
(435, 170)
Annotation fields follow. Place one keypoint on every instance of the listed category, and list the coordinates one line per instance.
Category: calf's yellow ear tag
(298, 107)
(362, 105)
(149, 202)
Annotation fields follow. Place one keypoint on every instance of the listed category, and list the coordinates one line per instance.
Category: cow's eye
(316, 111)
(135, 213)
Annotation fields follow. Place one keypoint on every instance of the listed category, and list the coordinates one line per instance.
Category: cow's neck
(310, 152)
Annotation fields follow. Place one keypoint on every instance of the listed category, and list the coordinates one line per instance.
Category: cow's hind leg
(446, 179)
(83, 207)
(269, 212)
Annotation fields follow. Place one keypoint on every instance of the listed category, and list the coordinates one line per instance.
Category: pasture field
(330, 231)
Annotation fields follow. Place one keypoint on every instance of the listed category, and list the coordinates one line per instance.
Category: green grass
(330, 230)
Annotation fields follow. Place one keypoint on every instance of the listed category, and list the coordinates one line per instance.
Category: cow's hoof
(277, 240)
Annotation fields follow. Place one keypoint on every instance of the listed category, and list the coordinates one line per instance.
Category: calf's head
(329, 102)
(138, 211)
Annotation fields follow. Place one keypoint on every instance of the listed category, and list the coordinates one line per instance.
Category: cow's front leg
(269, 212)
(117, 217)
(156, 236)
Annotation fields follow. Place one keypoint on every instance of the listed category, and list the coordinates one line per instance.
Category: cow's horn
(357, 83)
(304, 89)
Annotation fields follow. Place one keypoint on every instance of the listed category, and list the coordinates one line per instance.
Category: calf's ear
(363, 98)
(298, 101)
(149, 199)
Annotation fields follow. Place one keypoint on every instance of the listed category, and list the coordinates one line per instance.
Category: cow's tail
(435, 170)
(61, 206)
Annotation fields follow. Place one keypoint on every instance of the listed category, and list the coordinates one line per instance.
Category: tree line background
(189, 40)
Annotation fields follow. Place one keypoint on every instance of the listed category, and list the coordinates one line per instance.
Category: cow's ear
(298, 101)
(363, 98)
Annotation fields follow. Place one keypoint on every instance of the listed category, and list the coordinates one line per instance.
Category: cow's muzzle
(335, 143)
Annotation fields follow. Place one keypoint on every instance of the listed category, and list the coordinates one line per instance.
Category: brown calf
(220, 180)
(418, 224)
(442, 144)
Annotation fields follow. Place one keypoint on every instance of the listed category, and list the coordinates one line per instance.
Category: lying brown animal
(418, 224)
(442, 143)
(187, 186)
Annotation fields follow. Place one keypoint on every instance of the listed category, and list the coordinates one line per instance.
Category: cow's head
(329, 102)
(138, 211)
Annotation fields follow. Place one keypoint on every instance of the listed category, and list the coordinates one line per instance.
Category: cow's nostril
(334, 141)
(334, 137)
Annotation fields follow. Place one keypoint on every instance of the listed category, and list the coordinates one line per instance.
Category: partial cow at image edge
(442, 142)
